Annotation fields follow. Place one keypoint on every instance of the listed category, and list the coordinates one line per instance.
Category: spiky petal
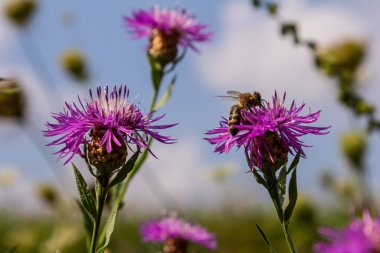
(109, 110)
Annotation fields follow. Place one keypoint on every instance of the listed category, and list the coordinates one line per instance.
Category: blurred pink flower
(360, 236)
(175, 21)
(173, 228)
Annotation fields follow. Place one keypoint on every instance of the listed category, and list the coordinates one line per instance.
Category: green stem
(288, 238)
(100, 200)
(154, 100)
(273, 192)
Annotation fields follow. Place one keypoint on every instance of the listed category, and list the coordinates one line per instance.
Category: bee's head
(257, 96)
(249, 100)
(255, 99)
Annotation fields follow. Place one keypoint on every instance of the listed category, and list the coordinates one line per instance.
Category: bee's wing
(229, 98)
(233, 93)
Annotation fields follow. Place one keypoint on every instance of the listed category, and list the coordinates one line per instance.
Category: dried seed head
(20, 11)
(99, 157)
(11, 99)
(175, 245)
(163, 47)
(276, 154)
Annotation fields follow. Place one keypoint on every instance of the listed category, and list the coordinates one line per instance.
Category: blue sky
(246, 54)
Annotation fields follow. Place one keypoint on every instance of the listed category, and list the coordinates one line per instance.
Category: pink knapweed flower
(360, 236)
(267, 133)
(176, 232)
(184, 27)
(108, 122)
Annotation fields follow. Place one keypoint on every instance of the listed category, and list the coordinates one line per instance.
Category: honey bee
(244, 101)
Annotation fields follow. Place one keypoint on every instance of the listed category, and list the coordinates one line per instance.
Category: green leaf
(156, 72)
(259, 178)
(292, 197)
(86, 198)
(124, 171)
(295, 162)
(109, 228)
(282, 184)
(88, 221)
(166, 96)
(265, 239)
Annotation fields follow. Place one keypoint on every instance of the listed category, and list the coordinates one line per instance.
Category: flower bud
(11, 99)
(353, 145)
(74, 63)
(19, 12)
(346, 55)
(163, 47)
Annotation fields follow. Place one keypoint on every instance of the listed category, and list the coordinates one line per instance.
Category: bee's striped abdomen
(234, 119)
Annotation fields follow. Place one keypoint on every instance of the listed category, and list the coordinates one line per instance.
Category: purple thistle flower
(360, 236)
(169, 22)
(109, 119)
(267, 133)
(171, 228)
